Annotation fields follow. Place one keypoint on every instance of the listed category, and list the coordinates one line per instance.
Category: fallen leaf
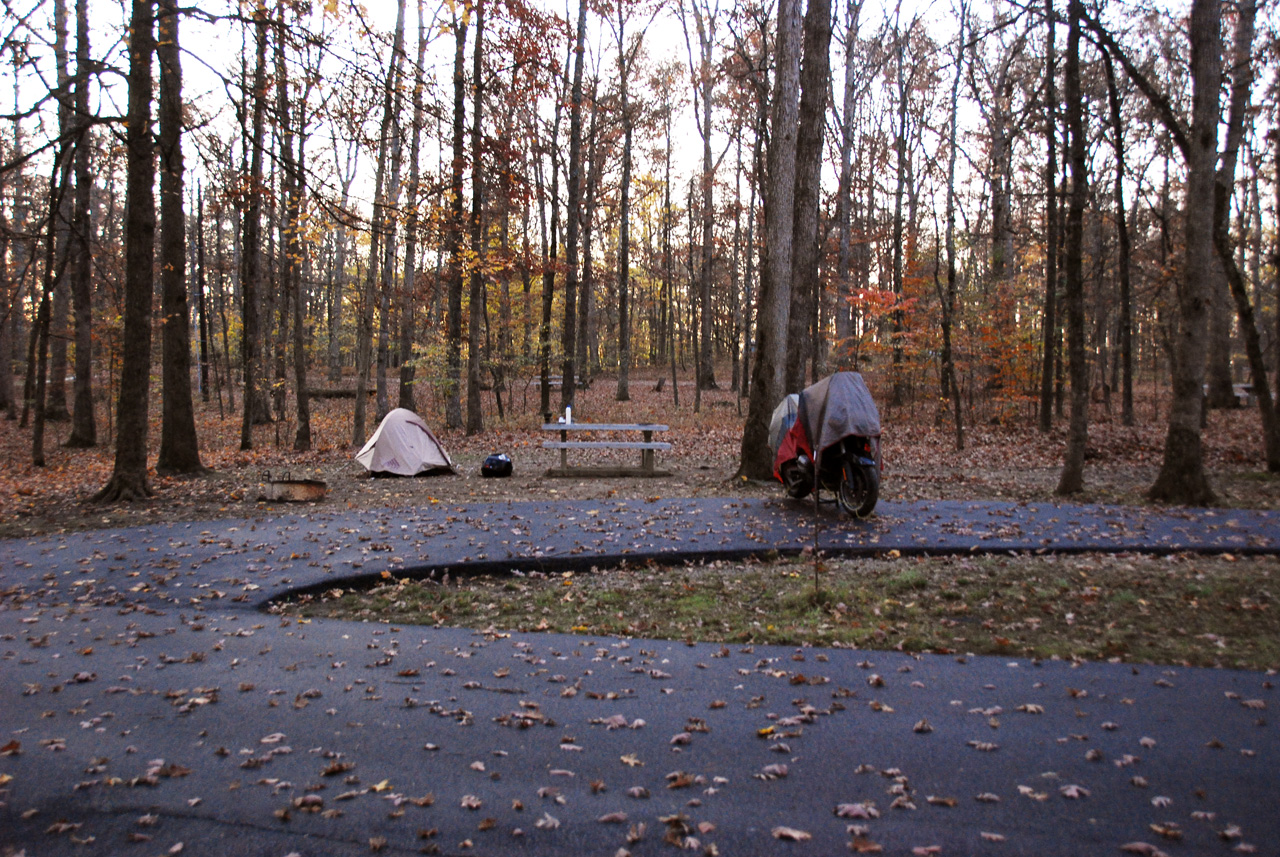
(857, 810)
(1145, 849)
(790, 834)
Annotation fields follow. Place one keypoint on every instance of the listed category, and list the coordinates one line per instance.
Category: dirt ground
(1001, 461)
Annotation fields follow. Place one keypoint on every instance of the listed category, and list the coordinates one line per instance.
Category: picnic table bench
(647, 447)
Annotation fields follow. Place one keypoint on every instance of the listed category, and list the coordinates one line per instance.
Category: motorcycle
(827, 438)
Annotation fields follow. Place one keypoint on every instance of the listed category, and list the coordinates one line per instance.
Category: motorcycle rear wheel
(859, 488)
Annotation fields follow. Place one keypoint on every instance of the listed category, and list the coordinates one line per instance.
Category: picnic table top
(577, 426)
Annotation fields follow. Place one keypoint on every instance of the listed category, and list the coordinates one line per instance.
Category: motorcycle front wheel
(859, 488)
(796, 480)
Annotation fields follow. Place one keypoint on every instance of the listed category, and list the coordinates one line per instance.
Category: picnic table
(647, 446)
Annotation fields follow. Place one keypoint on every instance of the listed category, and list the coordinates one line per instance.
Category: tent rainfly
(403, 446)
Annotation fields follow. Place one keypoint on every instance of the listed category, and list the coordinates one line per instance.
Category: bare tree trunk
(390, 223)
(735, 267)
(625, 60)
(179, 446)
(901, 179)
(702, 72)
(409, 302)
(1182, 477)
(1122, 230)
(550, 258)
(1072, 479)
(1217, 373)
(381, 233)
(202, 304)
(815, 71)
(475, 415)
(573, 205)
(8, 315)
(453, 233)
(291, 228)
(55, 399)
(1241, 83)
(338, 275)
(756, 459)
(38, 342)
(950, 383)
(251, 286)
(668, 275)
(844, 193)
(83, 424)
(1275, 256)
(590, 196)
(129, 477)
(1049, 340)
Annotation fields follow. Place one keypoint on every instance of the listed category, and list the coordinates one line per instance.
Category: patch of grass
(1186, 610)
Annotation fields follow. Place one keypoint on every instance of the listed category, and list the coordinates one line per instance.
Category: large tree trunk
(129, 477)
(901, 179)
(8, 302)
(1182, 477)
(55, 400)
(292, 174)
(83, 424)
(1122, 234)
(390, 223)
(1072, 479)
(573, 205)
(1217, 372)
(1049, 328)
(950, 383)
(589, 197)
(625, 61)
(255, 410)
(1241, 83)
(815, 71)
(381, 232)
(756, 458)
(453, 233)
(179, 447)
(475, 414)
(702, 74)
(409, 283)
(38, 343)
(844, 192)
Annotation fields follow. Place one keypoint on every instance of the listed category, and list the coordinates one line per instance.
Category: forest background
(1012, 217)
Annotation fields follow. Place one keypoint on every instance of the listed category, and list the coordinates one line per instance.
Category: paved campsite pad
(146, 696)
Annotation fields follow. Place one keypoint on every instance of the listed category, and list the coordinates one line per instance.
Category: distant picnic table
(647, 446)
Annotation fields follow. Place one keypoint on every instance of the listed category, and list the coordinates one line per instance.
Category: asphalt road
(149, 706)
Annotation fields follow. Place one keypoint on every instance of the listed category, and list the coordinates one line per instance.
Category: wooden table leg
(564, 453)
(646, 455)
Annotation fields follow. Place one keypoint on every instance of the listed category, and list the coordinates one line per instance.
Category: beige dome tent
(403, 446)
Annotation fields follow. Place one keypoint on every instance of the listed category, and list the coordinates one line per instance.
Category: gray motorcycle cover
(836, 407)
